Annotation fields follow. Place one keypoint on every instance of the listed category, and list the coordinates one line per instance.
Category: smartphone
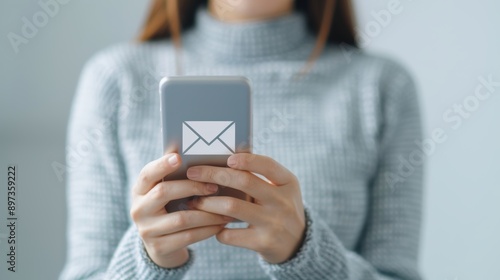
(205, 120)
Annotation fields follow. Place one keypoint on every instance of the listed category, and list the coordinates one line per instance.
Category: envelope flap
(208, 130)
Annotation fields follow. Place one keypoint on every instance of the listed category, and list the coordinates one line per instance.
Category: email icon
(208, 137)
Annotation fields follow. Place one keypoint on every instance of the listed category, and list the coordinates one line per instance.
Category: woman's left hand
(276, 219)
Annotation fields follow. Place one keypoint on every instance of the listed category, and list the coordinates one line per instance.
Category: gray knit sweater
(348, 130)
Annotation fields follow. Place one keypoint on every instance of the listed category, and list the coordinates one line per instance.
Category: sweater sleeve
(388, 246)
(102, 242)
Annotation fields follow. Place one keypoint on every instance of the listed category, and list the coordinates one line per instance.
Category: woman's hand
(276, 219)
(166, 235)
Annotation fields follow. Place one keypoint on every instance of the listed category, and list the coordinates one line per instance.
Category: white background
(446, 44)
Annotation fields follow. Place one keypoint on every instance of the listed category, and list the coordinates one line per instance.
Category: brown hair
(331, 20)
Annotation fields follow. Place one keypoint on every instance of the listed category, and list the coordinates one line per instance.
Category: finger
(164, 192)
(154, 172)
(237, 179)
(180, 221)
(250, 238)
(263, 165)
(179, 240)
(240, 237)
(233, 207)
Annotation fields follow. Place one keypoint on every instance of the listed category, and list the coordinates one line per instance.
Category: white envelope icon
(208, 137)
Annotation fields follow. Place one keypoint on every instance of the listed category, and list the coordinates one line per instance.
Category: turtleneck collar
(247, 40)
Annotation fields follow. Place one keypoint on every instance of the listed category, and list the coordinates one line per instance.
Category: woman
(346, 206)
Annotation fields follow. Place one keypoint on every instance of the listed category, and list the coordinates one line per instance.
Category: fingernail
(173, 160)
(212, 187)
(231, 161)
(193, 172)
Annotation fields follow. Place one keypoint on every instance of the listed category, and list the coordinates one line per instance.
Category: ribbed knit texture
(348, 130)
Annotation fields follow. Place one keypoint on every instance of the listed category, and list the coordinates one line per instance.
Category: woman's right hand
(166, 235)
